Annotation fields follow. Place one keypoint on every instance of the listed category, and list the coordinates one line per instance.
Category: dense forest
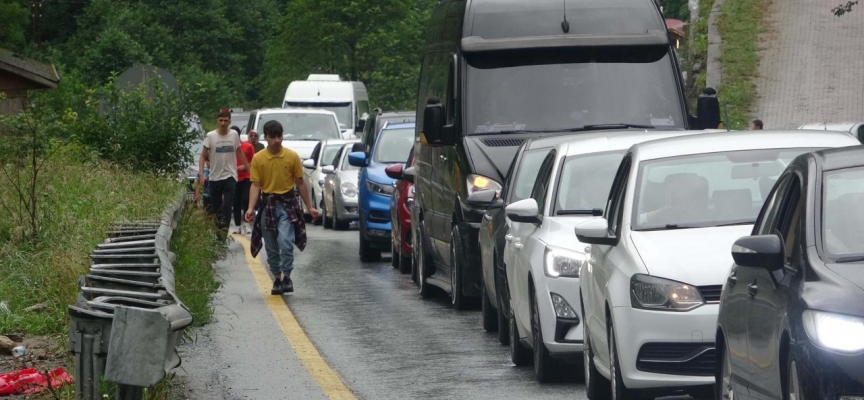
(244, 53)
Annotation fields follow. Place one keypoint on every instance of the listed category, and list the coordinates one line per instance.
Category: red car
(400, 217)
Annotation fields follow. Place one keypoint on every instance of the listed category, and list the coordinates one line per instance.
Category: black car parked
(791, 322)
(495, 302)
(498, 72)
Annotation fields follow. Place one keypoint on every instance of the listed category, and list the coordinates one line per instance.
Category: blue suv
(392, 145)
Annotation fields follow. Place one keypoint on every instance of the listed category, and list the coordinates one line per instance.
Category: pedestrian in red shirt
(241, 195)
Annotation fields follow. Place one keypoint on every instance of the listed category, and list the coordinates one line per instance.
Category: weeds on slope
(197, 246)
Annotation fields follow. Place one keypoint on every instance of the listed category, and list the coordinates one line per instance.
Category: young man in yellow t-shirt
(277, 175)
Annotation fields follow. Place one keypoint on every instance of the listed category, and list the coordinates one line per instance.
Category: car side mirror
(485, 199)
(394, 171)
(708, 109)
(357, 159)
(594, 231)
(524, 211)
(433, 122)
(309, 163)
(328, 169)
(409, 173)
(763, 251)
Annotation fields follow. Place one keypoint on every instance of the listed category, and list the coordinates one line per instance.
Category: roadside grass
(78, 200)
(699, 49)
(740, 25)
(197, 246)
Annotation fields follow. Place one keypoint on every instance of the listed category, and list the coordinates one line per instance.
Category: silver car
(340, 191)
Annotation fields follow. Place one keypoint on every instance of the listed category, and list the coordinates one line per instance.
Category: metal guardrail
(127, 320)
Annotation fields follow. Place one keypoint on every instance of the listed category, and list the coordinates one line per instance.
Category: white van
(348, 100)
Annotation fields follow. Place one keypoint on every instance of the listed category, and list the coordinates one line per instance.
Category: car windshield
(329, 153)
(585, 181)
(342, 111)
(523, 182)
(298, 126)
(724, 188)
(394, 145)
(842, 213)
(586, 88)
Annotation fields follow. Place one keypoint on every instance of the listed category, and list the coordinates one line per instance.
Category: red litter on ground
(29, 381)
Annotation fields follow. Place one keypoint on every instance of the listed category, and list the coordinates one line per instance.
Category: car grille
(503, 142)
(711, 293)
(692, 359)
(379, 216)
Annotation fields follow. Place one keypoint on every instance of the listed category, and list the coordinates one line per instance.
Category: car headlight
(653, 293)
(378, 188)
(562, 263)
(477, 183)
(834, 331)
(348, 189)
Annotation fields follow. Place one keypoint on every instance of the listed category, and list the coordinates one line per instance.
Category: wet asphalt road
(369, 324)
(386, 342)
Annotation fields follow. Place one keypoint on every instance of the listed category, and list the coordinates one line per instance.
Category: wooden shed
(19, 74)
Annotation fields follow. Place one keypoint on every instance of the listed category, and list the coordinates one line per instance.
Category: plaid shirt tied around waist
(267, 210)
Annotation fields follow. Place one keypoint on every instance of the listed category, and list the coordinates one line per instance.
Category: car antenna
(565, 26)
(726, 111)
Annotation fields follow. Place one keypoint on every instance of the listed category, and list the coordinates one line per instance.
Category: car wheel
(367, 253)
(723, 389)
(596, 388)
(501, 297)
(457, 254)
(518, 353)
(405, 263)
(394, 255)
(618, 389)
(422, 263)
(543, 364)
(489, 313)
(794, 386)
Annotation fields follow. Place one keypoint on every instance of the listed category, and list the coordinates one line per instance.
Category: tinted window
(342, 110)
(526, 175)
(614, 204)
(394, 145)
(303, 126)
(843, 212)
(585, 181)
(788, 228)
(707, 189)
(538, 193)
(556, 91)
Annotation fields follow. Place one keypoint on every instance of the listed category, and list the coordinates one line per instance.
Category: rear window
(297, 126)
(394, 145)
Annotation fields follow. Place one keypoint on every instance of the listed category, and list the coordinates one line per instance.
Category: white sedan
(541, 253)
(651, 286)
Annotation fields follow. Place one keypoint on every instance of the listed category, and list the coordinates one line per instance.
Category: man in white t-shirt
(223, 148)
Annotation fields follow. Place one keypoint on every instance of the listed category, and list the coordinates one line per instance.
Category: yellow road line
(326, 378)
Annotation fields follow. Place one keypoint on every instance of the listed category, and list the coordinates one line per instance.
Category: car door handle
(517, 245)
(508, 237)
(752, 289)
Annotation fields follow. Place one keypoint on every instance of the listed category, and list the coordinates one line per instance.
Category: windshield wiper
(594, 212)
(669, 227)
(848, 259)
(593, 127)
(737, 223)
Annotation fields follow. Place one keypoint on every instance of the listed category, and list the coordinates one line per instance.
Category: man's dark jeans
(241, 200)
(222, 198)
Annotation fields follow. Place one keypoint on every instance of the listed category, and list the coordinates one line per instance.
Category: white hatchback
(651, 285)
(541, 253)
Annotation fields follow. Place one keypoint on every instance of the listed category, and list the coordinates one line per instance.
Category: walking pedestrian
(756, 125)
(276, 173)
(225, 146)
(253, 140)
(241, 195)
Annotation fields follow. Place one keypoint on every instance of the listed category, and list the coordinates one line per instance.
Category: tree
(14, 19)
(378, 43)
